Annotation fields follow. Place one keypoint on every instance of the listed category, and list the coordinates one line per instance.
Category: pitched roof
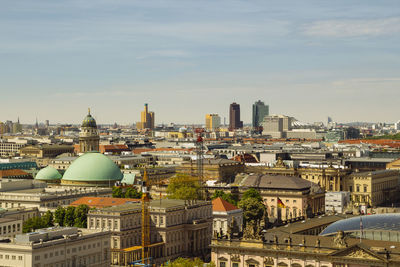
(222, 205)
(102, 202)
(276, 182)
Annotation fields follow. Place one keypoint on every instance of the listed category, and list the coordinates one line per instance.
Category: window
(365, 188)
(235, 264)
(350, 188)
(222, 264)
(358, 188)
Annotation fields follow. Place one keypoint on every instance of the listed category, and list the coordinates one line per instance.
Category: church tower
(89, 135)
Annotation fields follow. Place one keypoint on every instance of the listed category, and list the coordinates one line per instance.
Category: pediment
(222, 259)
(358, 252)
(252, 261)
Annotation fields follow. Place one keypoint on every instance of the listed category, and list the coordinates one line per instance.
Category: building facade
(234, 117)
(373, 188)
(178, 228)
(225, 213)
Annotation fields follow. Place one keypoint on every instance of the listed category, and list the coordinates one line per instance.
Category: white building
(336, 201)
(10, 227)
(57, 246)
(223, 213)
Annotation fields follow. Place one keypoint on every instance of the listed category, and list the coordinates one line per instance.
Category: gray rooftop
(275, 182)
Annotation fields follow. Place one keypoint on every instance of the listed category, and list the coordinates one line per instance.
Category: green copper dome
(48, 173)
(92, 167)
(89, 121)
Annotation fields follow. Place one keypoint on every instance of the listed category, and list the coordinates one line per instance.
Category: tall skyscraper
(260, 110)
(234, 117)
(147, 119)
(213, 121)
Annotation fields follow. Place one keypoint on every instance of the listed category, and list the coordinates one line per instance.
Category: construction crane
(200, 157)
(145, 221)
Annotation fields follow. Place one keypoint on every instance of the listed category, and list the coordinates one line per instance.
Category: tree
(48, 219)
(225, 196)
(184, 187)
(117, 192)
(59, 216)
(252, 205)
(69, 218)
(253, 209)
(252, 193)
(132, 192)
(80, 214)
(184, 262)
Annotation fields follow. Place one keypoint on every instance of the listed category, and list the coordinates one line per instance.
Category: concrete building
(147, 119)
(224, 213)
(336, 202)
(260, 110)
(277, 125)
(213, 122)
(63, 247)
(9, 227)
(373, 188)
(89, 135)
(234, 117)
(178, 228)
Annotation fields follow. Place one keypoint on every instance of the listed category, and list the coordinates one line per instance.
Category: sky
(306, 59)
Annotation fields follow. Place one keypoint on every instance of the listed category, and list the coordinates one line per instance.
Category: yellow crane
(145, 221)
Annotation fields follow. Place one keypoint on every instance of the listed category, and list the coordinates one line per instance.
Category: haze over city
(307, 59)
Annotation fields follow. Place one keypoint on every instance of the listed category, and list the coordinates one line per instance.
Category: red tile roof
(222, 205)
(102, 202)
(13, 173)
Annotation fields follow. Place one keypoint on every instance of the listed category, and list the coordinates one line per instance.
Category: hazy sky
(307, 59)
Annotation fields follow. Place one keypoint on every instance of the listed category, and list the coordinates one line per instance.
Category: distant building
(234, 117)
(89, 136)
(147, 119)
(213, 122)
(57, 246)
(260, 110)
(277, 125)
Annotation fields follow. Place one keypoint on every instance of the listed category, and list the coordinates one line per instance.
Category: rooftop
(222, 205)
(102, 202)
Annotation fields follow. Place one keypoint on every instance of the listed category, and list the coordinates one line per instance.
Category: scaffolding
(145, 222)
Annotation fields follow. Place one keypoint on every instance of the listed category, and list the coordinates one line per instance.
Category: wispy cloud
(353, 28)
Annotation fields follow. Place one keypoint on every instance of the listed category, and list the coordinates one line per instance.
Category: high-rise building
(260, 110)
(147, 119)
(234, 117)
(89, 136)
(213, 121)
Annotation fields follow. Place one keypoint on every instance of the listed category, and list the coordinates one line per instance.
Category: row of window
(15, 228)
(7, 257)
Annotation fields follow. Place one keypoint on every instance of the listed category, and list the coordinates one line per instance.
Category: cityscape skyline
(308, 60)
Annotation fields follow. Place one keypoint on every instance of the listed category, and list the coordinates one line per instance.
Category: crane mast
(145, 221)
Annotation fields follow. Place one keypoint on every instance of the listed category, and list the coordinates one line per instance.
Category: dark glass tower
(234, 117)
